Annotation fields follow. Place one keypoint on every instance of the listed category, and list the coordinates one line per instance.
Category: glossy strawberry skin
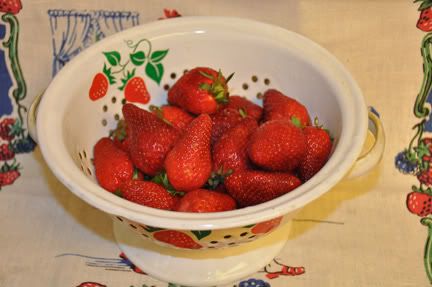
(176, 238)
(230, 151)
(251, 187)
(318, 148)
(112, 165)
(251, 109)
(149, 194)
(279, 106)
(176, 116)
(277, 146)
(203, 200)
(223, 120)
(150, 139)
(99, 87)
(189, 92)
(189, 164)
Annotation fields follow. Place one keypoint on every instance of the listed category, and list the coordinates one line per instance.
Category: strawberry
(6, 129)
(6, 153)
(150, 139)
(8, 177)
(10, 6)
(99, 87)
(318, 148)
(149, 194)
(425, 177)
(277, 145)
(112, 165)
(419, 203)
(173, 115)
(279, 106)
(170, 13)
(136, 91)
(424, 22)
(225, 119)
(251, 187)
(120, 136)
(189, 164)
(176, 238)
(199, 91)
(230, 151)
(203, 200)
(266, 226)
(251, 109)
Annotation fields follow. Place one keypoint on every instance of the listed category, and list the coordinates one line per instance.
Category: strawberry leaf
(155, 71)
(229, 77)
(138, 58)
(200, 234)
(151, 228)
(129, 75)
(157, 56)
(296, 121)
(113, 57)
(108, 74)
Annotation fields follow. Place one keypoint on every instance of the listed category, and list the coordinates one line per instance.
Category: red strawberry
(425, 177)
(150, 139)
(203, 200)
(170, 13)
(251, 109)
(176, 238)
(199, 91)
(419, 203)
(424, 22)
(6, 126)
(279, 106)
(136, 91)
(266, 226)
(173, 115)
(318, 148)
(113, 166)
(277, 145)
(251, 187)
(10, 6)
(99, 87)
(6, 153)
(189, 164)
(8, 177)
(225, 119)
(230, 151)
(120, 136)
(149, 194)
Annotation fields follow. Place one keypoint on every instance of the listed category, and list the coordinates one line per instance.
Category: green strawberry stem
(426, 221)
(420, 111)
(12, 44)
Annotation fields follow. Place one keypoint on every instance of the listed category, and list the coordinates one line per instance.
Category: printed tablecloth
(370, 231)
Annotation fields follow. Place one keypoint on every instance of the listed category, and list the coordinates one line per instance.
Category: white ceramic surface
(200, 267)
(69, 123)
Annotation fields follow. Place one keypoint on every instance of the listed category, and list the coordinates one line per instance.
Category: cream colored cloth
(358, 234)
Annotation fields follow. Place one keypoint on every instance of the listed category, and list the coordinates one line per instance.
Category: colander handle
(32, 115)
(372, 157)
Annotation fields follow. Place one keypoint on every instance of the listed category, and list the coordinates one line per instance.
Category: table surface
(360, 233)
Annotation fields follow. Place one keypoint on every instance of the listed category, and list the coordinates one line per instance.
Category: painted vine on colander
(122, 71)
(416, 158)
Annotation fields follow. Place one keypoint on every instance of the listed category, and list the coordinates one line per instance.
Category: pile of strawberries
(208, 151)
